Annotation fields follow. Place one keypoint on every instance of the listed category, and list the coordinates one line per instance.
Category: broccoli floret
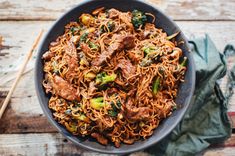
(115, 110)
(83, 37)
(97, 103)
(103, 78)
(110, 27)
(75, 30)
(138, 18)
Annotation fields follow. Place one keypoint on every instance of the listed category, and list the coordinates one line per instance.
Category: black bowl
(162, 21)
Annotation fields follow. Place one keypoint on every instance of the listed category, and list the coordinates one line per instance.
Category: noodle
(113, 76)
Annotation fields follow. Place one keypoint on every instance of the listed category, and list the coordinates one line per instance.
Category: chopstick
(20, 72)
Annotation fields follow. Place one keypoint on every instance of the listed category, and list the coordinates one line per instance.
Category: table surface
(24, 130)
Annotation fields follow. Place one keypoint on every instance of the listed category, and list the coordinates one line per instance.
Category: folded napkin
(206, 121)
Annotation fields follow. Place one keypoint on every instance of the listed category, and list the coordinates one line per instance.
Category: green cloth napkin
(206, 121)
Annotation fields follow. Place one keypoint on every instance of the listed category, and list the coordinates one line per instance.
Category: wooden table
(24, 130)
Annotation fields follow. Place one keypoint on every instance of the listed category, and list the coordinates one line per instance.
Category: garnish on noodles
(113, 76)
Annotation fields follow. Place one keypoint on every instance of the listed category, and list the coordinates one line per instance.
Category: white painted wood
(50, 144)
(40, 145)
(177, 9)
(227, 151)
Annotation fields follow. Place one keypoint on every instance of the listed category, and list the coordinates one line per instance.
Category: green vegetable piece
(138, 18)
(80, 116)
(110, 27)
(155, 86)
(115, 109)
(172, 36)
(112, 113)
(174, 107)
(74, 30)
(71, 128)
(183, 63)
(149, 49)
(93, 46)
(103, 78)
(97, 103)
(83, 37)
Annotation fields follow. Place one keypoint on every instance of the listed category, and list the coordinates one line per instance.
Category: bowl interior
(162, 21)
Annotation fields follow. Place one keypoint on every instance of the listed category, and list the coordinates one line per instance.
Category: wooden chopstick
(20, 72)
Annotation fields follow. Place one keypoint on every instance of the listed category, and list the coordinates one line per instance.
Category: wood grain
(56, 144)
(228, 151)
(37, 145)
(177, 9)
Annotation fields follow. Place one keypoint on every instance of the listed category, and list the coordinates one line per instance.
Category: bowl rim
(69, 135)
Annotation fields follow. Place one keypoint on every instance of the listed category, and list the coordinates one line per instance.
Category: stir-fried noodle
(113, 76)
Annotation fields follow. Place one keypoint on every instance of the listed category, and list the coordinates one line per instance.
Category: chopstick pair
(20, 72)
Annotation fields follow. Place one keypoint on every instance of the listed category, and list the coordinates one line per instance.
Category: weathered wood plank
(177, 9)
(226, 148)
(227, 151)
(24, 114)
(56, 144)
(37, 145)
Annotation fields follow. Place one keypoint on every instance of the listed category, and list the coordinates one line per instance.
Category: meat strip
(71, 50)
(119, 44)
(48, 55)
(127, 68)
(113, 13)
(100, 138)
(129, 42)
(64, 89)
(133, 57)
(137, 113)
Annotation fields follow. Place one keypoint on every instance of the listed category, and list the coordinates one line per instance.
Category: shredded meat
(104, 123)
(119, 44)
(111, 91)
(91, 88)
(71, 50)
(164, 110)
(125, 17)
(53, 44)
(129, 42)
(137, 113)
(133, 57)
(86, 49)
(47, 84)
(117, 144)
(100, 138)
(113, 13)
(72, 65)
(129, 141)
(71, 57)
(116, 46)
(64, 89)
(127, 68)
(72, 62)
(48, 55)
